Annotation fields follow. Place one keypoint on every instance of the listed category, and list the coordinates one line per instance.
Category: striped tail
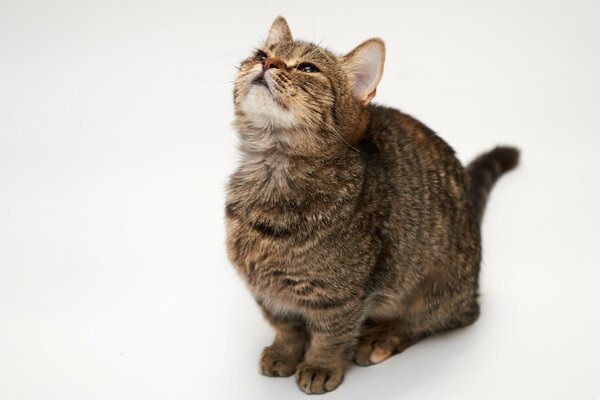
(485, 171)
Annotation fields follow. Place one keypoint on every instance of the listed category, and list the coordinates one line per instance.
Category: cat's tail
(485, 171)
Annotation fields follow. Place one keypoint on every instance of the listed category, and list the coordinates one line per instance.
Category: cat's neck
(267, 168)
(279, 185)
(275, 169)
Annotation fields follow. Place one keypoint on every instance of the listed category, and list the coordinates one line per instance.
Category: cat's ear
(365, 68)
(279, 32)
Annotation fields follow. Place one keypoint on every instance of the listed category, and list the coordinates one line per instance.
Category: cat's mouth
(260, 81)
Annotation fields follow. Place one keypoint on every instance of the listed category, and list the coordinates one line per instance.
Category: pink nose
(272, 62)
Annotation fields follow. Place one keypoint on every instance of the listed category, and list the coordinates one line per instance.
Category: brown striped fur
(354, 225)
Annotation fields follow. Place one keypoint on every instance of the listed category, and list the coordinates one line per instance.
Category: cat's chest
(289, 289)
(280, 268)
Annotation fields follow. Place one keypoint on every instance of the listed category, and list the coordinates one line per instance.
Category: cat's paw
(313, 379)
(373, 351)
(277, 363)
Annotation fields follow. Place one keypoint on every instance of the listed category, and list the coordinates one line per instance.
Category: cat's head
(288, 85)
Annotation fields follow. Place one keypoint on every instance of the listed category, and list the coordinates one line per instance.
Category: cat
(354, 226)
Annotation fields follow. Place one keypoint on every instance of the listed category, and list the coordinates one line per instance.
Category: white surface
(115, 147)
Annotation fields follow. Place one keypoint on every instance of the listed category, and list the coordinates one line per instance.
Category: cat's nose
(272, 62)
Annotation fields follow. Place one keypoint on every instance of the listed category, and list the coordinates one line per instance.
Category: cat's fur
(354, 225)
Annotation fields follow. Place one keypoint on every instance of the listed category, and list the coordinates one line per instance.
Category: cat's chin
(264, 111)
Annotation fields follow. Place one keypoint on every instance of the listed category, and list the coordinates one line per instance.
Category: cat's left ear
(280, 32)
(365, 68)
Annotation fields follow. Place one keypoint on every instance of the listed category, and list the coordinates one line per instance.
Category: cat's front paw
(278, 363)
(313, 379)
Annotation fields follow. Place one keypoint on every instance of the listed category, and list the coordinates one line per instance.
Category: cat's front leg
(333, 334)
(283, 356)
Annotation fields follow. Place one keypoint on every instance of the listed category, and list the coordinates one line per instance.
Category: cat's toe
(274, 363)
(314, 379)
(380, 353)
(362, 354)
(371, 352)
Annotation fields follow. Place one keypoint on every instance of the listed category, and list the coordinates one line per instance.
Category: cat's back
(391, 130)
(410, 150)
(420, 185)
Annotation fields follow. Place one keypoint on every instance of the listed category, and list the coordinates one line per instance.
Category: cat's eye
(261, 55)
(307, 67)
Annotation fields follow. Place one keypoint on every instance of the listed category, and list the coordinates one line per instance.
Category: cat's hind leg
(381, 340)
(455, 313)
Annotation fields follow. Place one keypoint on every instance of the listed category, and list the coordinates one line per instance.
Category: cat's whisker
(380, 245)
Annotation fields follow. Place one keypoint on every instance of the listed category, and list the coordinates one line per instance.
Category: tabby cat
(354, 225)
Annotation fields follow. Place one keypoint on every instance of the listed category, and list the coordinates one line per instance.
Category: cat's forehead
(300, 50)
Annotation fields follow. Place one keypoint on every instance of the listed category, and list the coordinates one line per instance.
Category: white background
(115, 147)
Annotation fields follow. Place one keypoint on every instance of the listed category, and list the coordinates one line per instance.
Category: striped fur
(485, 171)
(354, 225)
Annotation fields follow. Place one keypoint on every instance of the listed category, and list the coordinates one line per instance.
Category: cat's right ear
(280, 32)
(365, 68)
